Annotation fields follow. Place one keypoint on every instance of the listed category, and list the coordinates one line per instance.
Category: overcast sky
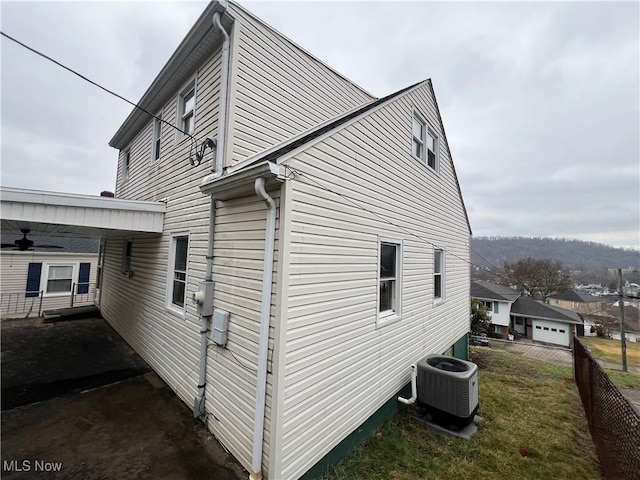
(540, 101)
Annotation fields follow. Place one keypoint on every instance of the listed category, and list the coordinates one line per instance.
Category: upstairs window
(432, 149)
(418, 129)
(389, 279)
(438, 274)
(187, 109)
(126, 164)
(157, 132)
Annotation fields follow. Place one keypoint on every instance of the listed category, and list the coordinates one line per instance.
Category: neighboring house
(497, 299)
(542, 322)
(578, 302)
(45, 278)
(333, 226)
(522, 316)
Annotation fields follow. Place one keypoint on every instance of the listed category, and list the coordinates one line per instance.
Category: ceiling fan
(24, 243)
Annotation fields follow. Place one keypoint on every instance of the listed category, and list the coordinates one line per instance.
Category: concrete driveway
(77, 402)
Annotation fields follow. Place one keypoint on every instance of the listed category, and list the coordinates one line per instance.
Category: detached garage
(543, 322)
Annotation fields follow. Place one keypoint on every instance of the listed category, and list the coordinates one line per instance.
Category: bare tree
(533, 276)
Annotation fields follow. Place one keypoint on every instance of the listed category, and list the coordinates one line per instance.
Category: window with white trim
(125, 265)
(389, 279)
(187, 108)
(438, 274)
(126, 164)
(418, 129)
(157, 133)
(432, 150)
(59, 278)
(178, 271)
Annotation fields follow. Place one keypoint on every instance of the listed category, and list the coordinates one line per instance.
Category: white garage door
(551, 332)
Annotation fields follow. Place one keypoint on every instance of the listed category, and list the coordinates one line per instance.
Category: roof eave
(150, 101)
(240, 183)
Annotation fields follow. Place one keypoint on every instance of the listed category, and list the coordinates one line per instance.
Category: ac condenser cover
(448, 384)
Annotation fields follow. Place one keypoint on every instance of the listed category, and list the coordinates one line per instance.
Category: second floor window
(418, 129)
(157, 132)
(187, 110)
(126, 164)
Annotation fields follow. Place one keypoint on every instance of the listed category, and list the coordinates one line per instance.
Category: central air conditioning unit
(448, 387)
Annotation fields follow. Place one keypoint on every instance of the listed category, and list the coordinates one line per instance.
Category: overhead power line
(111, 92)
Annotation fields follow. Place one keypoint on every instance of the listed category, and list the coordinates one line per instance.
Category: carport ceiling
(63, 214)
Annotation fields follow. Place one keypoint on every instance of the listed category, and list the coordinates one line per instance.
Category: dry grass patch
(610, 351)
(534, 428)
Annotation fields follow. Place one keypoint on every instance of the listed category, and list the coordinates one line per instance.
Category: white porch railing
(22, 304)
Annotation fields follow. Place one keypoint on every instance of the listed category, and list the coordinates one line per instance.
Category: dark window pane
(431, 159)
(387, 260)
(181, 253)
(437, 286)
(387, 295)
(178, 293)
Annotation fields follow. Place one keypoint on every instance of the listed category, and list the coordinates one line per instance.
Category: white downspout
(414, 389)
(222, 105)
(261, 387)
(206, 288)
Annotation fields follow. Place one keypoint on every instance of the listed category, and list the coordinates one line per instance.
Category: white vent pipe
(414, 388)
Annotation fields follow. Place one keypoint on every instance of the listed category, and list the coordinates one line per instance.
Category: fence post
(41, 294)
(73, 288)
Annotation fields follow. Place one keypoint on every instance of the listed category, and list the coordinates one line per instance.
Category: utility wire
(360, 207)
(97, 85)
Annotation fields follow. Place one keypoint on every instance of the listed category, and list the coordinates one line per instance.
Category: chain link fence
(613, 422)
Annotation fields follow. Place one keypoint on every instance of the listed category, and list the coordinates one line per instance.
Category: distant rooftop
(575, 296)
(483, 290)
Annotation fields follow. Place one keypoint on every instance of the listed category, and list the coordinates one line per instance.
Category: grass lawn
(609, 350)
(527, 405)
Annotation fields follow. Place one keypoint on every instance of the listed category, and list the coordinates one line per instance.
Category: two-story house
(304, 243)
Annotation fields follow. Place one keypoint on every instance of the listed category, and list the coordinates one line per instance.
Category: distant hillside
(573, 254)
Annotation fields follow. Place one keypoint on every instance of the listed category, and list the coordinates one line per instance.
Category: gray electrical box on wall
(220, 327)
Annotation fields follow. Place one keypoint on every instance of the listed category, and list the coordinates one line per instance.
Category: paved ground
(134, 428)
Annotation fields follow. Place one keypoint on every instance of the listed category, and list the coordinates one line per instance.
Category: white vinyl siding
(340, 367)
(14, 267)
(135, 307)
(281, 90)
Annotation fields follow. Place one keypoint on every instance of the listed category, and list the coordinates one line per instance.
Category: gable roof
(341, 121)
(484, 290)
(530, 308)
(575, 296)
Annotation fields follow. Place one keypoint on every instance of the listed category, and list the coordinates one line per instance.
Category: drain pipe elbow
(222, 104)
(414, 389)
(265, 312)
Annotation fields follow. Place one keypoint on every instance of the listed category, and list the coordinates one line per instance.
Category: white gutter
(222, 107)
(414, 389)
(261, 390)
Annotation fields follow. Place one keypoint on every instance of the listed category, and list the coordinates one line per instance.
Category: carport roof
(65, 214)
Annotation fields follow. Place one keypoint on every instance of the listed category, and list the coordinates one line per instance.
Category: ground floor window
(389, 279)
(178, 273)
(59, 278)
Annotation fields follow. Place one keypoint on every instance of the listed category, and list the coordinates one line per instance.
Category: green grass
(610, 351)
(526, 404)
(624, 379)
